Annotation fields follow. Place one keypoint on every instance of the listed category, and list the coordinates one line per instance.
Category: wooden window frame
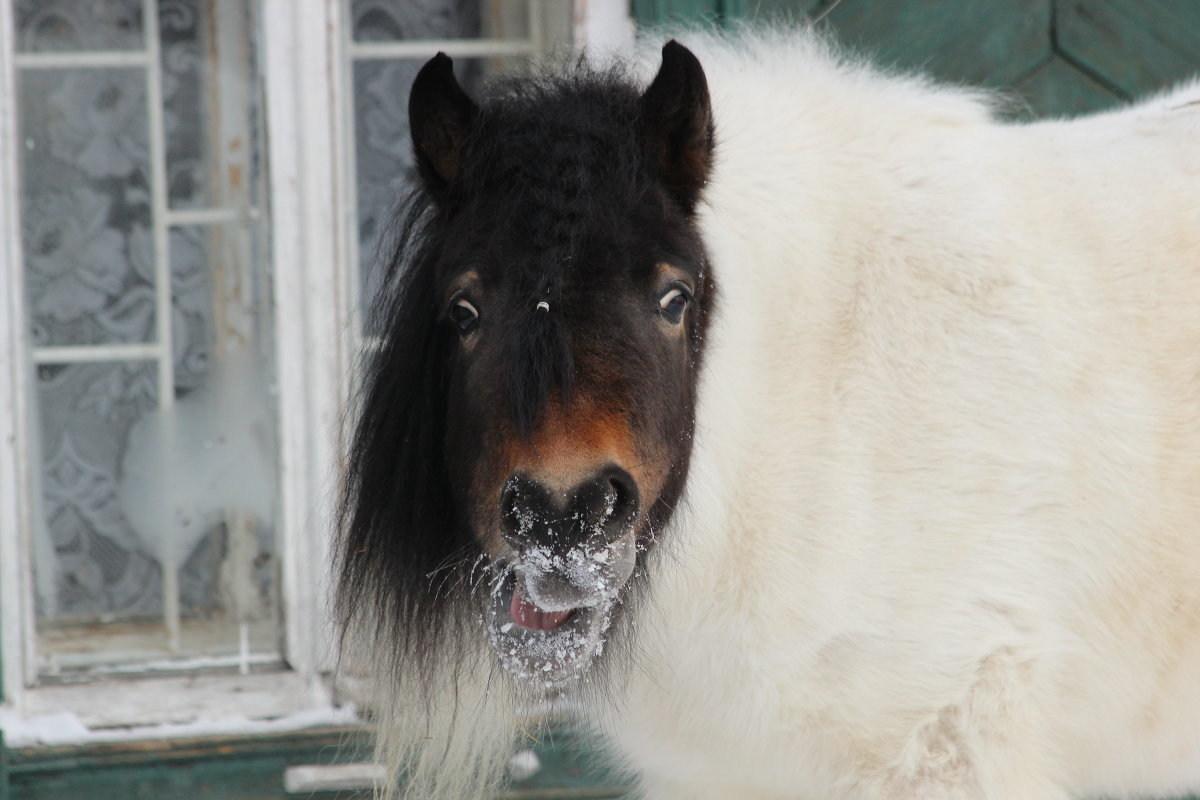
(300, 66)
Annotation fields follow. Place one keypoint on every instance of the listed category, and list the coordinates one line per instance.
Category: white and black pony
(816, 434)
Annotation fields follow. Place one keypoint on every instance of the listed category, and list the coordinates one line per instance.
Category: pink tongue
(527, 615)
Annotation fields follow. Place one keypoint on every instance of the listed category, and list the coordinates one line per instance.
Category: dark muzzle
(596, 512)
(574, 549)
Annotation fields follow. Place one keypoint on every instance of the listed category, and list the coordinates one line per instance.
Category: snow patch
(524, 765)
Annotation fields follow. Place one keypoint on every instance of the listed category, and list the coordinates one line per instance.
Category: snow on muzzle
(571, 555)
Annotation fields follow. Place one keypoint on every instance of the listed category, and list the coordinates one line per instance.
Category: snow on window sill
(171, 708)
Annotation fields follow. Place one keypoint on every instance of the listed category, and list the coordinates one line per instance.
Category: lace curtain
(101, 547)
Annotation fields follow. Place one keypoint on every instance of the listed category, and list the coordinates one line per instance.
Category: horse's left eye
(464, 314)
(672, 305)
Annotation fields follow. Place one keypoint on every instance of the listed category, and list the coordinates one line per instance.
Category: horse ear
(439, 113)
(678, 121)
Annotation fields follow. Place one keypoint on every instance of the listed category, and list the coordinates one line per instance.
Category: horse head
(527, 426)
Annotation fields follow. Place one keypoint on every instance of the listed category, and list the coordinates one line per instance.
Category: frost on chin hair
(551, 660)
(555, 660)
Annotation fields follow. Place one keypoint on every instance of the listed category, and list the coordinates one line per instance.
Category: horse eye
(464, 314)
(672, 305)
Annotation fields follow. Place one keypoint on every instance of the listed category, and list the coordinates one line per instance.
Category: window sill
(195, 704)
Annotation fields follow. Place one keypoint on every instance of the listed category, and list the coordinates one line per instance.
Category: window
(191, 195)
(147, 299)
(148, 538)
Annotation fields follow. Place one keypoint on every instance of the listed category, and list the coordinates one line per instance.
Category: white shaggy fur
(941, 536)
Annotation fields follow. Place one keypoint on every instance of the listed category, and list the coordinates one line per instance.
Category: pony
(807, 430)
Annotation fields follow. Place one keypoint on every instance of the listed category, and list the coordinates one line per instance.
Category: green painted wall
(667, 12)
(1054, 56)
(252, 767)
(212, 768)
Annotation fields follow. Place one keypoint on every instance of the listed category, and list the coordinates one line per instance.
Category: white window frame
(300, 68)
(305, 66)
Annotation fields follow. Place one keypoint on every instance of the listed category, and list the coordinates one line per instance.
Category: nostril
(623, 495)
(604, 506)
(618, 505)
(524, 505)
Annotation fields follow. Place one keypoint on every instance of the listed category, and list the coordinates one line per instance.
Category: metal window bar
(463, 48)
(163, 218)
(90, 59)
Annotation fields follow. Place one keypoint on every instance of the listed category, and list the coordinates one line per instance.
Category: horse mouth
(548, 622)
(528, 615)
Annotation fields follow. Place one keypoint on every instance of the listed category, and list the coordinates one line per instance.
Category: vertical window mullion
(160, 234)
(537, 37)
(349, 164)
(16, 629)
(302, 69)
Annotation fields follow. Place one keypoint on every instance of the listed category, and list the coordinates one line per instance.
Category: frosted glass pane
(90, 562)
(383, 152)
(85, 206)
(188, 120)
(395, 20)
(72, 25)
(383, 160)
(142, 504)
(212, 148)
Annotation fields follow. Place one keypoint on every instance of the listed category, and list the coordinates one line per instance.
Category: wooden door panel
(1059, 88)
(1059, 56)
(988, 42)
(1134, 46)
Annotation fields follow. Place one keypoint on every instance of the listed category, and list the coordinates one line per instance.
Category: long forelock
(540, 363)
(554, 155)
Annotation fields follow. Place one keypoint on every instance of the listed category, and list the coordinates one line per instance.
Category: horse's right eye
(465, 315)
(672, 305)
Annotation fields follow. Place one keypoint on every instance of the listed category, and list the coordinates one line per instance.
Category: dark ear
(439, 113)
(678, 120)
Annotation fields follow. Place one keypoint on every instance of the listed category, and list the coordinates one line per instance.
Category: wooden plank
(1136, 46)
(770, 11)
(1109, 50)
(209, 768)
(570, 761)
(1060, 89)
(677, 12)
(309, 778)
(230, 779)
(350, 741)
(987, 42)
(598, 793)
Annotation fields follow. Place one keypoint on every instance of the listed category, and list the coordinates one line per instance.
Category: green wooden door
(1056, 56)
